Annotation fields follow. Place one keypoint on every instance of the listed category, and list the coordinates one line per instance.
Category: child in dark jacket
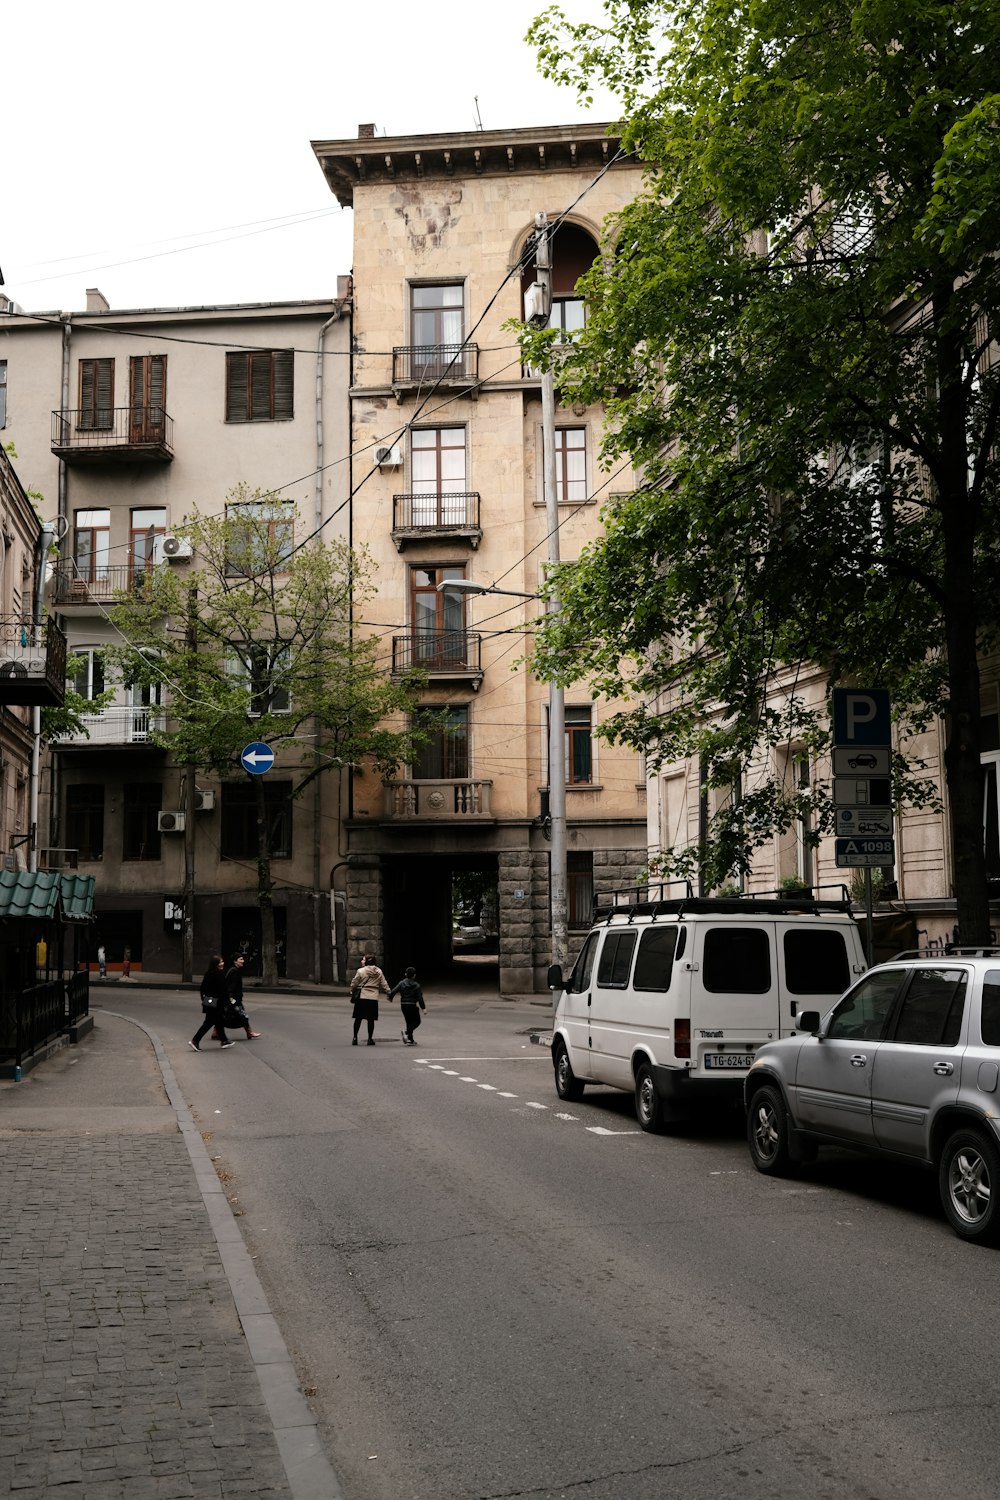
(411, 1003)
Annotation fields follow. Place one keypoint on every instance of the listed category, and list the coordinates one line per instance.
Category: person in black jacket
(237, 1011)
(214, 994)
(411, 1003)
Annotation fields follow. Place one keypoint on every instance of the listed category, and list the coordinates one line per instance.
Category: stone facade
(443, 229)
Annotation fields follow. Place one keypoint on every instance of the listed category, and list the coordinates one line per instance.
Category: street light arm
(468, 586)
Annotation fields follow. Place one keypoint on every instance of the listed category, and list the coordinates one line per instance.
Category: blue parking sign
(861, 716)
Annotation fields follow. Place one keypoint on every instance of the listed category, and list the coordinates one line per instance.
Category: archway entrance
(441, 917)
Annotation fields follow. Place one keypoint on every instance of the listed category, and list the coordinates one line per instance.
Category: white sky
(185, 129)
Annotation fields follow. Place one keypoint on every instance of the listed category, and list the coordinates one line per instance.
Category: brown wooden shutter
(283, 383)
(261, 388)
(97, 394)
(237, 374)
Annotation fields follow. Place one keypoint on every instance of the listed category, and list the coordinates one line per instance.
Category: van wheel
(969, 1184)
(649, 1109)
(568, 1086)
(767, 1133)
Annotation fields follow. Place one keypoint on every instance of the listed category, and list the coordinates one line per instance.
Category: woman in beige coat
(366, 986)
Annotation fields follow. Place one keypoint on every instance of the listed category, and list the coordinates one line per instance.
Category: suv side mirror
(554, 979)
(807, 1020)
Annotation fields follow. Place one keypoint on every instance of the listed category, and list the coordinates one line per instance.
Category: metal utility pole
(190, 804)
(557, 707)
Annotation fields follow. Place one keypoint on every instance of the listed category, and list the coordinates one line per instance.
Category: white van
(671, 996)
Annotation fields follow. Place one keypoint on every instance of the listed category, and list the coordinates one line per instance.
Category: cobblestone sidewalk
(124, 1372)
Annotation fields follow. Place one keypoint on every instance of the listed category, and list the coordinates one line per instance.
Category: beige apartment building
(446, 433)
(125, 422)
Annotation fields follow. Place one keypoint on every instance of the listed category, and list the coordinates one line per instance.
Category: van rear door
(817, 963)
(734, 994)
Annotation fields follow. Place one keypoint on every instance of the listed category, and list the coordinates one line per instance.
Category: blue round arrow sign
(257, 758)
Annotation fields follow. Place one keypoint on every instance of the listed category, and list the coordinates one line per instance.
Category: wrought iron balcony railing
(119, 724)
(32, 662)
(435, 364)
(438, 799)
(456, 652)
(71, 586)
(437, 513)
(113, 434)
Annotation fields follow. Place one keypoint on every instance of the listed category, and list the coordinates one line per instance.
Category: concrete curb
(309, 1472)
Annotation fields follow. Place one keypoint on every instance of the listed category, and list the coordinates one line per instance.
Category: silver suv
(907, 1064)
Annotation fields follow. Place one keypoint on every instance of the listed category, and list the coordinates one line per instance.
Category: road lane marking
(506, 1096)
(467, 1080)
(536, 1106)
(488, 1086)
(600, 1130)
(566, 1117)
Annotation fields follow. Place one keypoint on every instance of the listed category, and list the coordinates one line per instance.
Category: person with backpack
(411, 1003)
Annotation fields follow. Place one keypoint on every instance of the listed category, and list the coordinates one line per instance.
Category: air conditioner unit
(204, 801)
(171, 822)
(388, 457)
(177, 548)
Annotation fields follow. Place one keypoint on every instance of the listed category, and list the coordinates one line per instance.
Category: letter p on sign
(861, 716)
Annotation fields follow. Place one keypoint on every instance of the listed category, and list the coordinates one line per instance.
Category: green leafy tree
(791, 328)
(255, 642)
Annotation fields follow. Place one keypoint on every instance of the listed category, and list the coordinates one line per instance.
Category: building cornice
(369, 159)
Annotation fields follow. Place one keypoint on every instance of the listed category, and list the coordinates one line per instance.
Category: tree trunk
(962, 756)
(265, 887)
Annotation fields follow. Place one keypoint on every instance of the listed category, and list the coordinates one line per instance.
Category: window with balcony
(571, 465)
(141, 803)
(92, 545)
(445, 752)
(146, 525)
(85, 820)
(260, 385)
(238, 839)
(437, 330)
(438, 618)
(89, 678)
(438, 477)
(147, 383)
(263, 535)
(97, 395)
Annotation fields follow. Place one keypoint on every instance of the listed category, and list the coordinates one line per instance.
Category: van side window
(655, 958)
(990, 1020)
(580, 978)
(816, 962)
(616, 960)
(737, 961)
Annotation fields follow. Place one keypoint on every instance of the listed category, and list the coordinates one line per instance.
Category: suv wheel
(767, 1132)
(649, 1109)
(969, 1184)
(568, 1086)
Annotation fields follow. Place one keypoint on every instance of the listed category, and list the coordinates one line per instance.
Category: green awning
(43, 895)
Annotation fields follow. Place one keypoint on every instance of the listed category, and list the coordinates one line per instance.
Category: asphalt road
(489, 1293)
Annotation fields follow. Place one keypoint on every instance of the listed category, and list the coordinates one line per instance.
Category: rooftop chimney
(96, 300)
(366, 132)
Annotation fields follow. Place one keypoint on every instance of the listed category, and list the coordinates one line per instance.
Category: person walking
(214, 994)
(102, 962)
(411, 1003)
(237, 1015)
(366, 986)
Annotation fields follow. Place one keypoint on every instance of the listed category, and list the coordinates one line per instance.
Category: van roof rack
(950, 950)
(650, 900)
